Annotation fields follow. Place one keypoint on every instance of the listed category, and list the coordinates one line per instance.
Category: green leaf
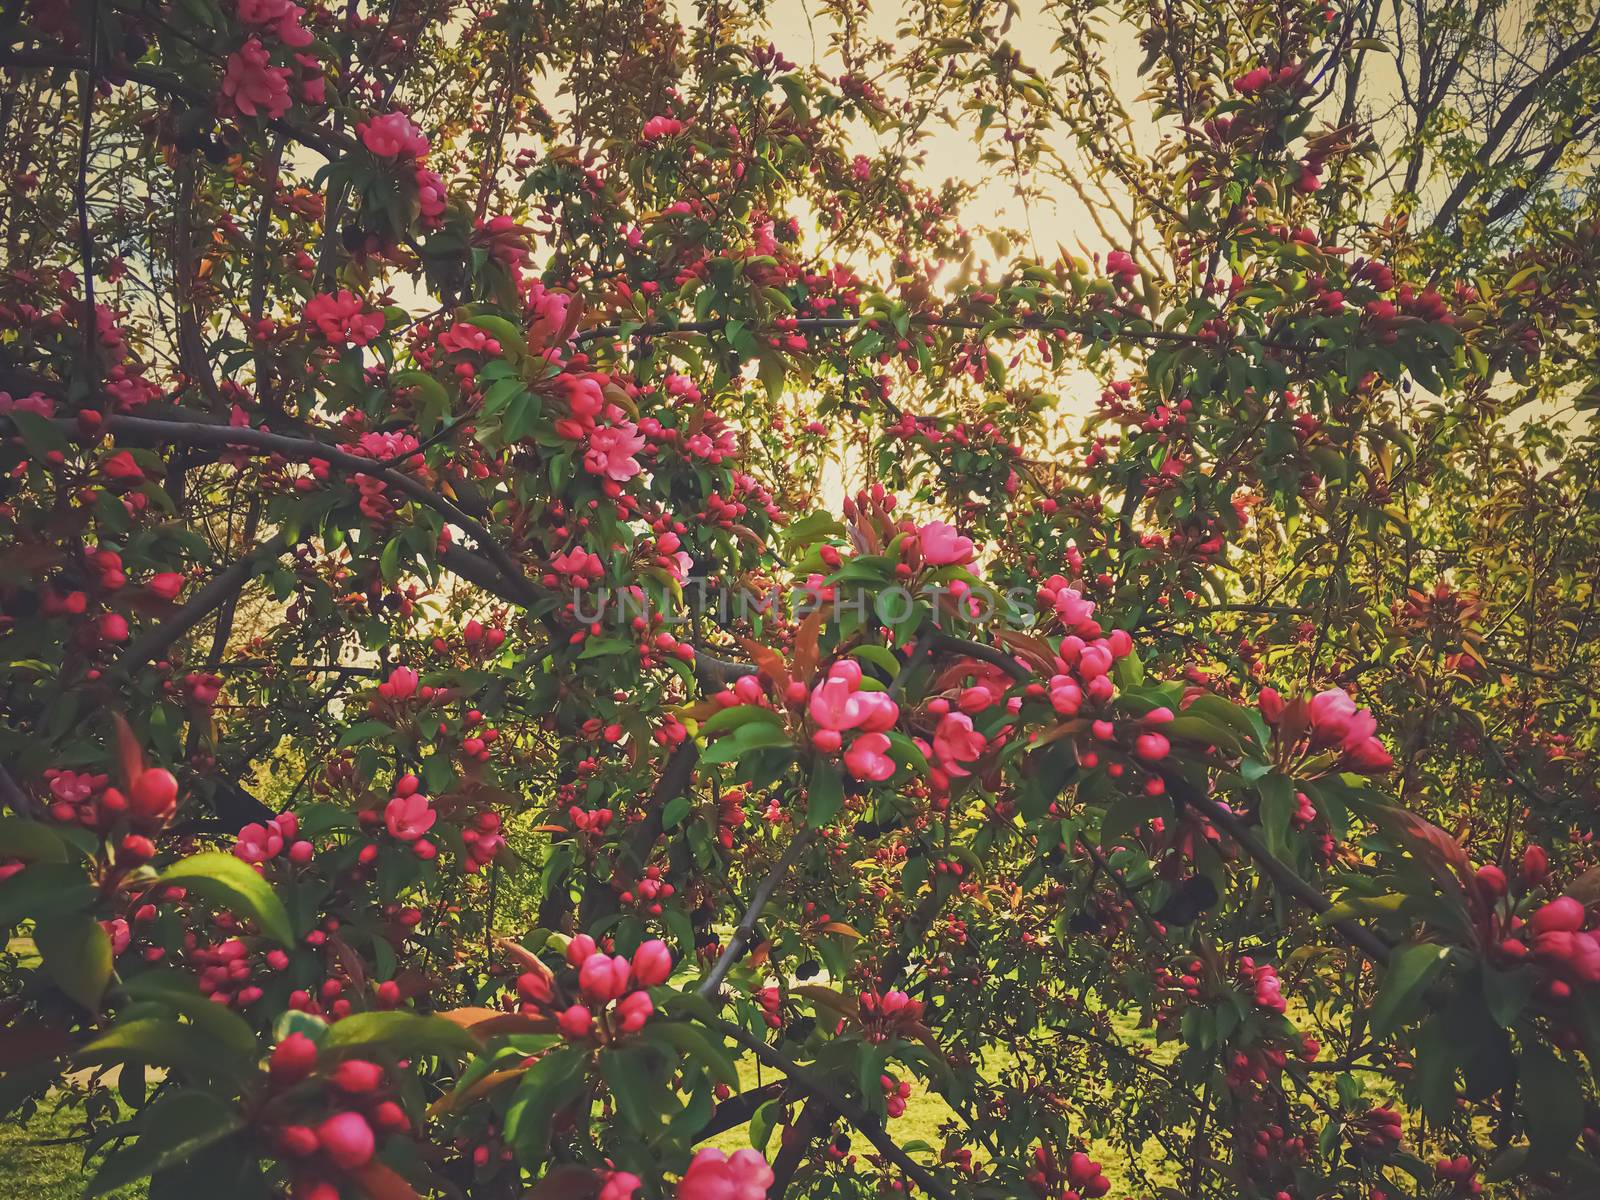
(44, 889)
(739, 714)
(39, 434)
(363, 731)
(400, 1031)
(30, 840)
(173, 1129)
(1411, 969)
(1277, 811)
(550, 1084)
(431, 393)
(224, 879)
(178, 993)
(755, 736)
(1552, 1100)
(772, 372)
(813, 527)
(763, 1123)
(826, 795)
(77, 954)
(605, 647)
(634, 1085)
(157, 1042)
(693, 1043)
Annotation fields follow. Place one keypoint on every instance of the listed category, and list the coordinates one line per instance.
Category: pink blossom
(431, 195)
(652, 963)
(343, 318)
(943, 546)
(837, 705)
(257, 843)
(604, 977)
(391, 135)
(401, 685)
(715, 1176)
(251, 85)
(37, 403)
(1336, 721)
(956, 743)
(611, 451)
(278, 16)
(620, 1185)
(1253, 81)
(409, 817)
(1120, 265)
(661, 127)
(868, 758)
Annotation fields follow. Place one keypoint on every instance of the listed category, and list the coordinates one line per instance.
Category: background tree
(553, 554)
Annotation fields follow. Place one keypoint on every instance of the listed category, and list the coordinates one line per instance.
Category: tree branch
(859, 1117)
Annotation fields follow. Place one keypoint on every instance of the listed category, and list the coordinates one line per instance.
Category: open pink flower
(1120, 265)
(409, 817)
(611, 451)
(837, 705)
(943, 546)
(391, 135)
(714, 1176)
(343, 318)
(956, 743)
(401, 685)
(280, 17)
(251, 85)
(660, 127)
(258, 843)
(1337, 722)
(868, 758)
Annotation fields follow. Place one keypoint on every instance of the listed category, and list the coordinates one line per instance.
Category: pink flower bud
(652, 963)
(347, 1139)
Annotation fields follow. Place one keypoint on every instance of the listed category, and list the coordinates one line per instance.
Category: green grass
(927, 1112)
(30, 1170)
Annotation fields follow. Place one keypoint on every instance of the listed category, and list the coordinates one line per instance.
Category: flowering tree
(450, 723)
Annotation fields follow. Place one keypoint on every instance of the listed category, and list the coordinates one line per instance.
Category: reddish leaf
(379, 1182)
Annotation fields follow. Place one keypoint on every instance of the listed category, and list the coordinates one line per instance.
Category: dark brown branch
(737, 1110)
(734, 950)
(1360, 937)
(222, 588)
(859, 1117)
(331, 145)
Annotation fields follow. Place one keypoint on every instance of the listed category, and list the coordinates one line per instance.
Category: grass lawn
(30, 1171)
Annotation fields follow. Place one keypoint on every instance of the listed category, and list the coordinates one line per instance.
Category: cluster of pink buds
(649, 892)
(1562, 945)
(1378, 1130)
(612, 1000)
(1263, 980)
(1458, 1172)
(359, 1111)
(1081, 1175)
(482, 840)
(895, 1094)
(260, 843)
(226, 974)
(202, 688)
(75, 796)
(481, 639)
